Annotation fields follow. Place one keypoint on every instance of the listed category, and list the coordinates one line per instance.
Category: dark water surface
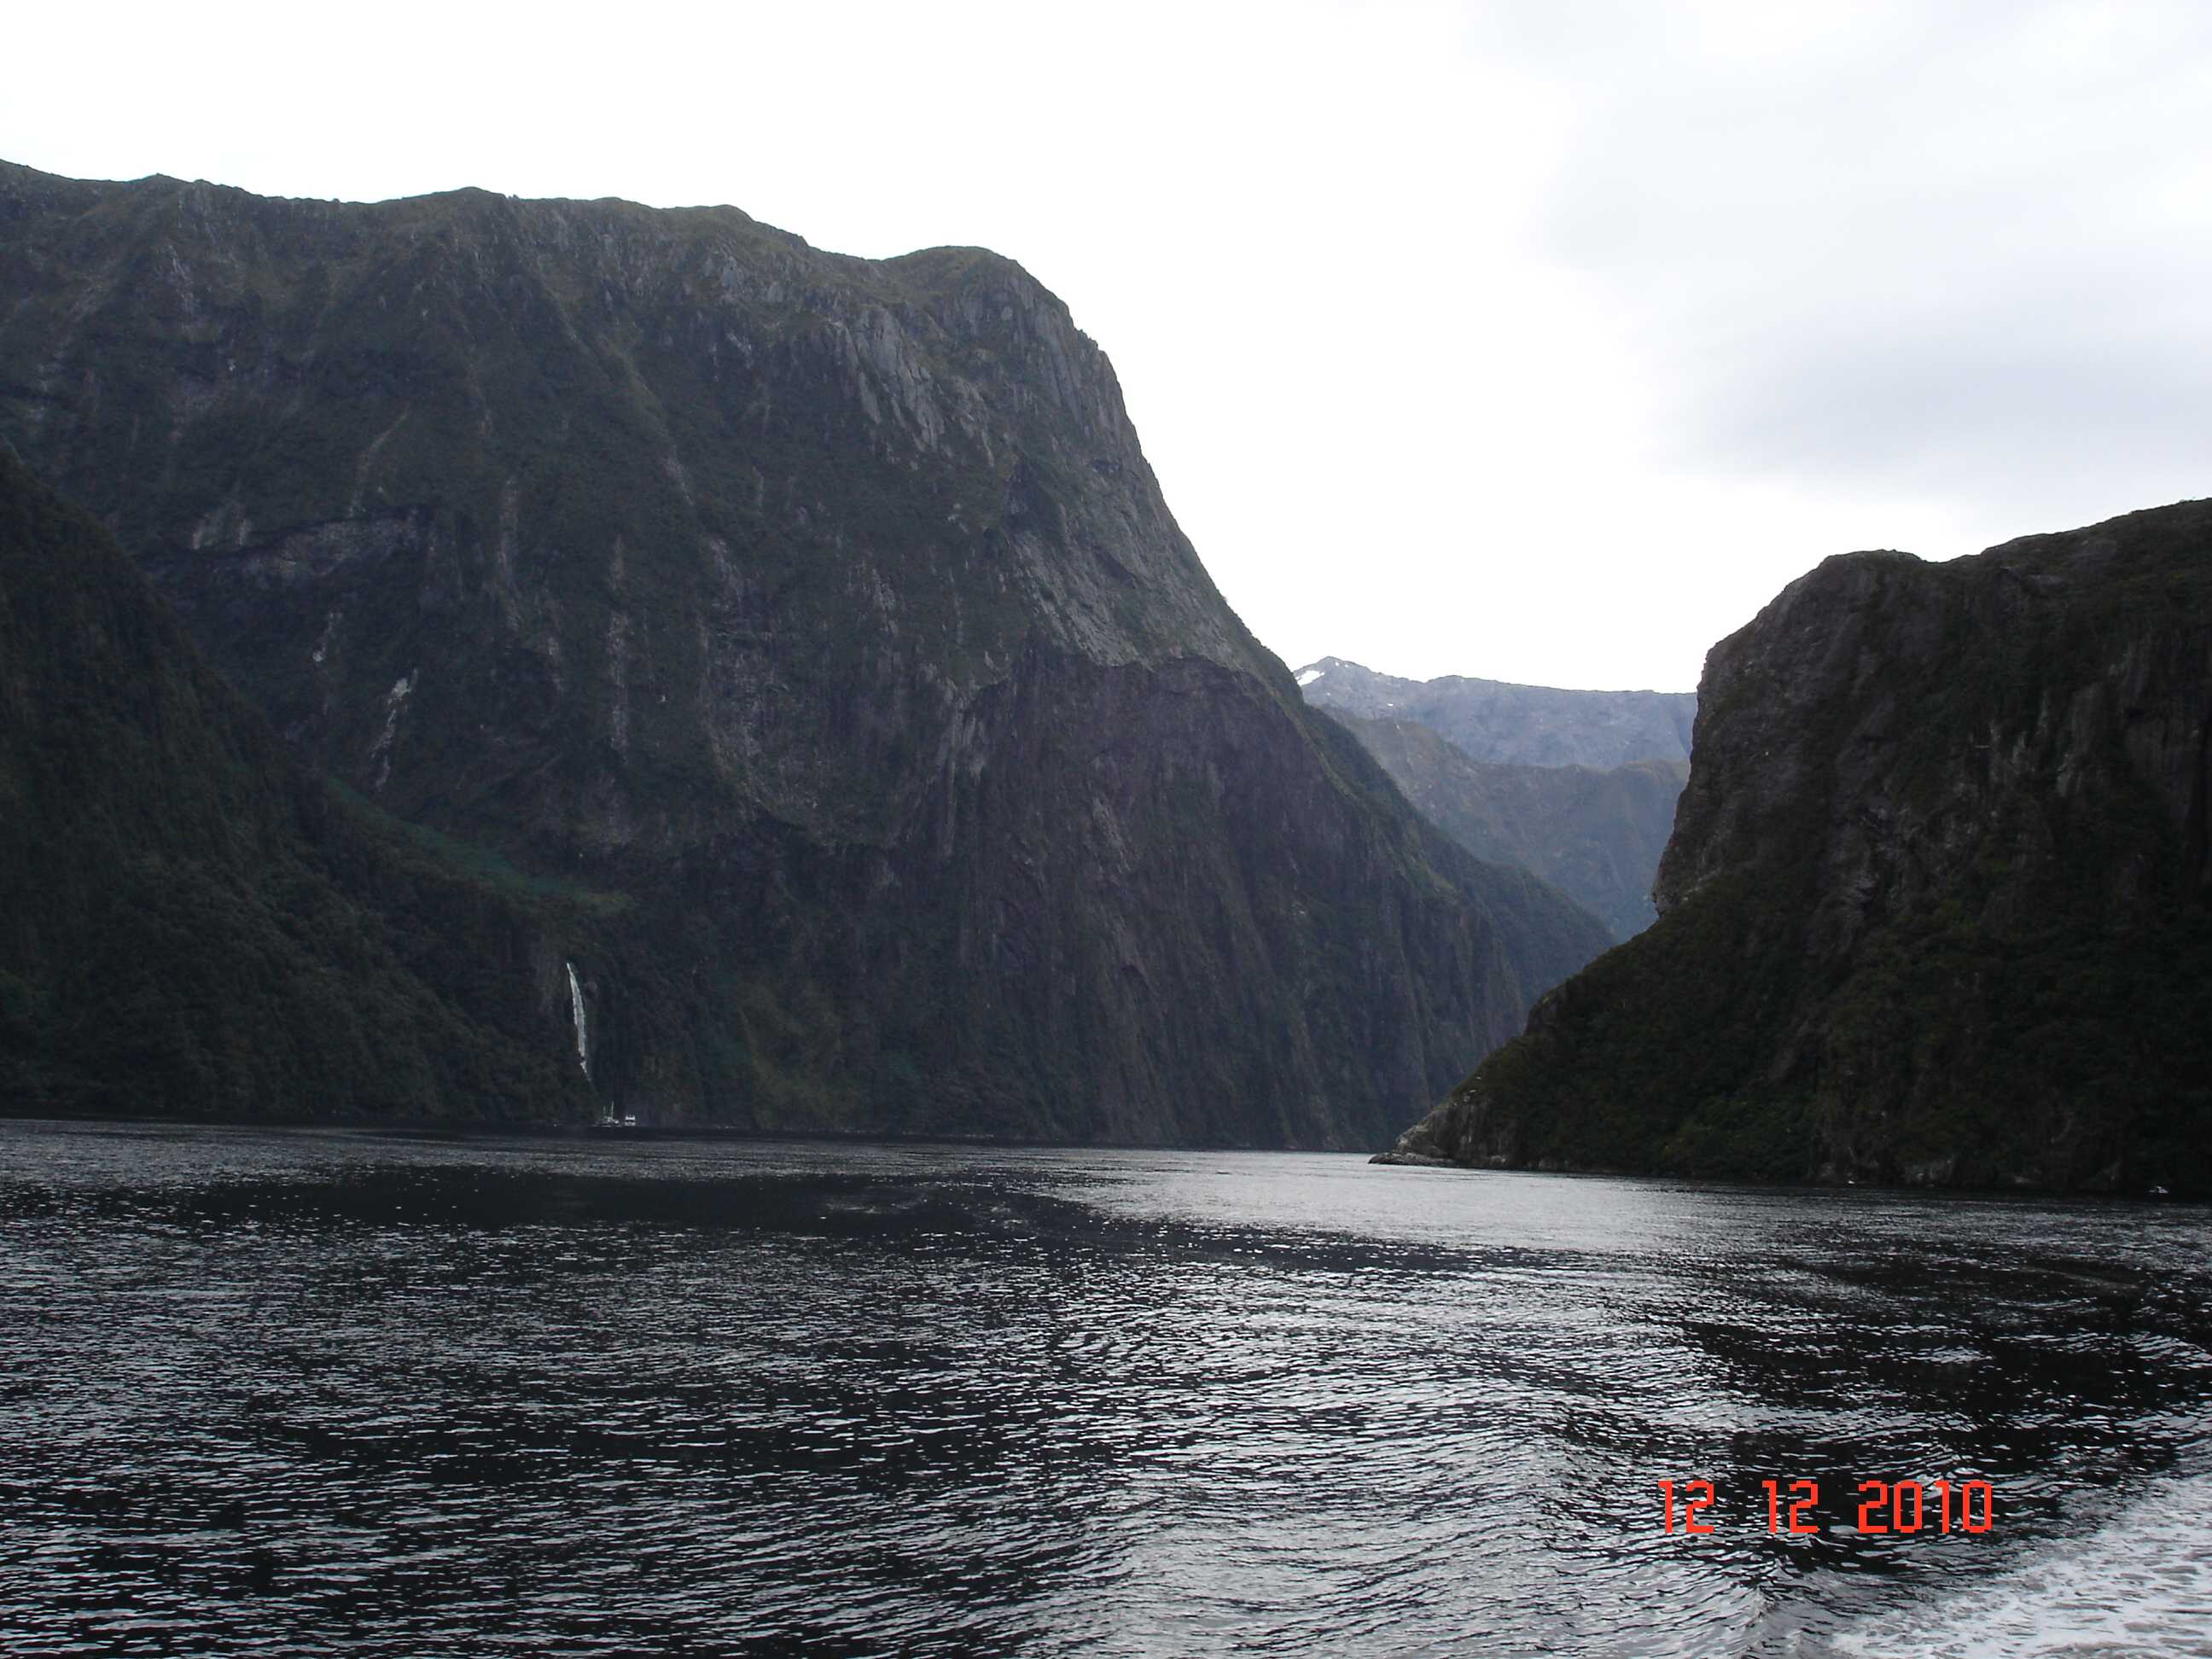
(267, 1393)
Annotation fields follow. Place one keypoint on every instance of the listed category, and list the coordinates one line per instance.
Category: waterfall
(576, 1007)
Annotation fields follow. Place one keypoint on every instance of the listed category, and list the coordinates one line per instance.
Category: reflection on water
(276, 1392)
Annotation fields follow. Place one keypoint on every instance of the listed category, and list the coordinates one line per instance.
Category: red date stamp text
(1885, 1506)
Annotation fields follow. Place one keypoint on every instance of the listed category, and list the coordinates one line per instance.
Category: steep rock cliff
(1936, 910)
(191, 924)
(824, 608)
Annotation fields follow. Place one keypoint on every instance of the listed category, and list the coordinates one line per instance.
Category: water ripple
(290, 1394)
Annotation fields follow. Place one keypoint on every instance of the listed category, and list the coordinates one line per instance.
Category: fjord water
(274, 1392)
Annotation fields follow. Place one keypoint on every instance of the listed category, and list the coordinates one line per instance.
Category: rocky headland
(1937, 908)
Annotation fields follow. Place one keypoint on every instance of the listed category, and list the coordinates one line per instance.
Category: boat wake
(2139, 1583)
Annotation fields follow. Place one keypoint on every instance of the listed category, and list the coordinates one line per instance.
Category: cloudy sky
(1538, 341)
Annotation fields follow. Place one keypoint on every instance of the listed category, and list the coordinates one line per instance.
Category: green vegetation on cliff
(825, 610)
(1937, 906)
(191, 924)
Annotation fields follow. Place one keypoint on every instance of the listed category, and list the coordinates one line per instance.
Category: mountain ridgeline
(1518, 725)
(1937, 909)
(818, 617)
(1577, 787)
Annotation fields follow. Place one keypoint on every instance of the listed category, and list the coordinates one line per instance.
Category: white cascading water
(576, 1007)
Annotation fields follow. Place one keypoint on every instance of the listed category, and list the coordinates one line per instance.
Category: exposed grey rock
(1529, 725)
(825, 612)
(1937, 909)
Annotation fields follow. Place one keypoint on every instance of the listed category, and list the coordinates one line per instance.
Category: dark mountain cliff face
(188, 923)
(1518, 725)
(1594, 833)
(1937, 908)
(825, 608)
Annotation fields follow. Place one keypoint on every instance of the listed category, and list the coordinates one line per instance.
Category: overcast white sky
(1539, 341)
